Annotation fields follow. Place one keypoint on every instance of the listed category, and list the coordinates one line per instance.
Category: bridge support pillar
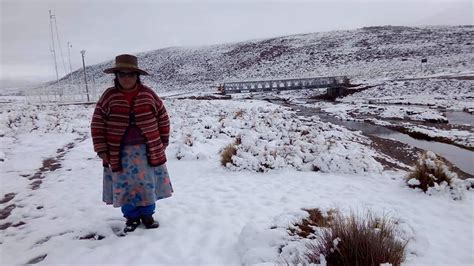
(334, 92)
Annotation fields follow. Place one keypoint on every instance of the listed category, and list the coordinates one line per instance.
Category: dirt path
(50, 164)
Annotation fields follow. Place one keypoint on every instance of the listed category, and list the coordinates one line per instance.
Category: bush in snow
(239, 114)
(227, 153)
(325, 237)
(274, 139)
(316, 219)
(19, 119)
(357, 240)
(431, 174)
(271, 137)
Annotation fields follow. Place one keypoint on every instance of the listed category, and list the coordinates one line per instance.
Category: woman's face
(127, 79)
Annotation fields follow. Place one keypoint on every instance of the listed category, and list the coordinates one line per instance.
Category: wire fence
(63, 93)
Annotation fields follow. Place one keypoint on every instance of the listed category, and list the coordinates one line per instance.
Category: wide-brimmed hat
(126, 62)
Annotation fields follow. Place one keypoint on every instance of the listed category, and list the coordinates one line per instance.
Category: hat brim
(115, 69)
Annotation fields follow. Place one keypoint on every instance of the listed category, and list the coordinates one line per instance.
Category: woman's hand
(105, 157)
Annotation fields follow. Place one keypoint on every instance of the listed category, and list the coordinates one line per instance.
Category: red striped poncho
(111, 119)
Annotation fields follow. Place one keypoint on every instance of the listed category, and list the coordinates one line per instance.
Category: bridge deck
(282, 84)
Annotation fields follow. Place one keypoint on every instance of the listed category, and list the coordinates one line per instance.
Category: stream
(462, 158)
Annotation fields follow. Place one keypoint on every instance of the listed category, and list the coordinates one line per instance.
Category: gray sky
(105, 28)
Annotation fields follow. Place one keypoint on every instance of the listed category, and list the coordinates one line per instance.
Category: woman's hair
(117, 83)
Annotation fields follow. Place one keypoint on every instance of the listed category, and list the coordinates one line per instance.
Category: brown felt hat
(126, 62)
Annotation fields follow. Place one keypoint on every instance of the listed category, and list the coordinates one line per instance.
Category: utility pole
(70, 64)
(51, 16)
(85, 77)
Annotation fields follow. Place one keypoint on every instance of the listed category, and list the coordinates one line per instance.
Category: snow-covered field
(444, 93)
(218, 215)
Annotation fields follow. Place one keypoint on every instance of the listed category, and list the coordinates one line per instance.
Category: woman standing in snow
(130, 131)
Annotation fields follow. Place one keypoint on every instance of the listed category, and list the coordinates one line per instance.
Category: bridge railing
(282, 84)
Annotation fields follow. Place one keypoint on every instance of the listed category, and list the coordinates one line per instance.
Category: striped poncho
(112, 117)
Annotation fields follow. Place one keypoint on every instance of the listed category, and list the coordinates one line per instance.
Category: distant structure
(335, 85)
(53, 50)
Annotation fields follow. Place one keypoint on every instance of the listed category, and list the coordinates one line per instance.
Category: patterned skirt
(138, 184)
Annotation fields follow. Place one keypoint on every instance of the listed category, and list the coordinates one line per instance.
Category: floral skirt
(138, 184)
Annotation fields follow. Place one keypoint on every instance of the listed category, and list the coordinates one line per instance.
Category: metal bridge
(283, 84)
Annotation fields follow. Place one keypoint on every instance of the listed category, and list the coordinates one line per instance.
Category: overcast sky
(105, 28)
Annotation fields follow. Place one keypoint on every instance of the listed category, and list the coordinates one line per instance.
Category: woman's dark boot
(131, 225)
(149, 222)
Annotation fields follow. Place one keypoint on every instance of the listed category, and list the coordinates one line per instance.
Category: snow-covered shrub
(316, 218)
(188, 140)
(271, 137)
(432, 175)
(358, 240)
(17, 119)
(275, 139)
(261, 242)
(323, 237)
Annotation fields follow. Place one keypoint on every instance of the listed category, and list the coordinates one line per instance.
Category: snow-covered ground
(444, 93)
(217, 215)
(346, 112)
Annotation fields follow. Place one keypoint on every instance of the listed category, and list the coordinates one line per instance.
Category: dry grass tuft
(238, 140)
(189, 140)
(305, 229)
(355, 240)
(429, 170)
(239, 114)
(229, 151)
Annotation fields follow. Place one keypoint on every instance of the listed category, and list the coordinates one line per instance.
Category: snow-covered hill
(363, 54)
